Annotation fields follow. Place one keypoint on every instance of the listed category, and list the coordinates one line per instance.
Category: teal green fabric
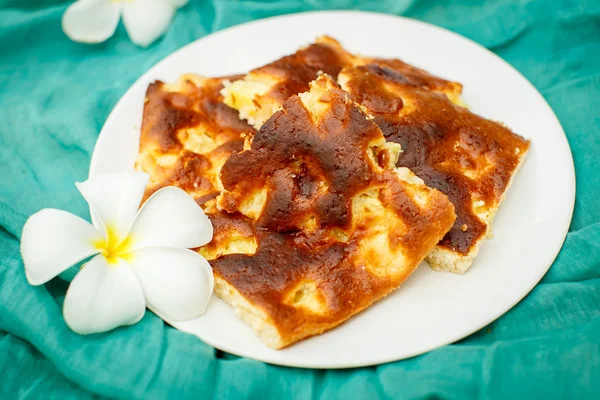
(55, 96)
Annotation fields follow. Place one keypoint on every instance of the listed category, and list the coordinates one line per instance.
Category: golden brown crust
(467, 157)
(295, 71)
(187, 134)
(263, 90)
(370, 229)
(291, 156)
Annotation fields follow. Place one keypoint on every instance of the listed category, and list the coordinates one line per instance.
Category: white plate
(431, 309)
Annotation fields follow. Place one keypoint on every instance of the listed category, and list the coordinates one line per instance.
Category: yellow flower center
(112, 248)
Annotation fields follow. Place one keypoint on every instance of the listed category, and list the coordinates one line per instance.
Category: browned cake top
(187, 134)
(401, 72)
(294, 72)
(467, 157)
(337, 224)
(311, 169)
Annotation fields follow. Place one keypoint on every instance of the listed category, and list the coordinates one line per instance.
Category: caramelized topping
(297, 70)
(309, 169)
(338, 227)
(467, 157)
(187, 134)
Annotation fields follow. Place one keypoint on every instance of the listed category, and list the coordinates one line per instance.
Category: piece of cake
(337, 225)
(187, 134)
(469, 158)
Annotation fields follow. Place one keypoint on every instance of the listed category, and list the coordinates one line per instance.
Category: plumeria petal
(91, 21)
(178, 3)
(114, 200)
(53, 240)
(170, 218)
(147, 20)
(103, 296)
(177, 283)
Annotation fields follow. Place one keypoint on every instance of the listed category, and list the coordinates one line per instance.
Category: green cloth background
(54, 98)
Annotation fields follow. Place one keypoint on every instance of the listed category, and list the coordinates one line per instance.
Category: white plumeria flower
(140, 258)
(94, 21)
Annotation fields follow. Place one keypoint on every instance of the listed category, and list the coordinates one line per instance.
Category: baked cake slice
(337, 225)
(469, 158)
(187, 134)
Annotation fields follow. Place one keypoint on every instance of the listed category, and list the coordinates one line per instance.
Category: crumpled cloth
(54, 97)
